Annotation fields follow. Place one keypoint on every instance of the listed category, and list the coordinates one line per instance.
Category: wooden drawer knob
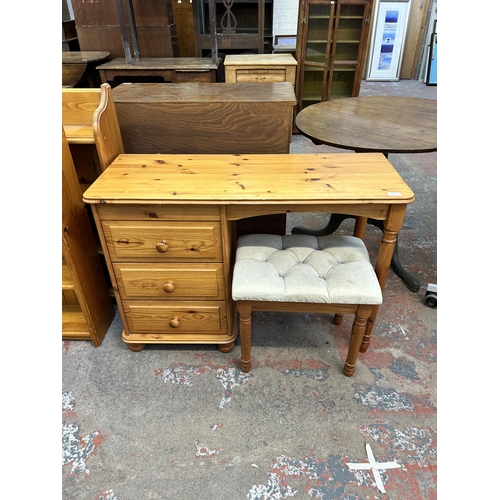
(174, 322)
(162, 246)
(169, 287)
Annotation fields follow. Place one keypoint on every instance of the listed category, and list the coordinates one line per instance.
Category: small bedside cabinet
(256, 68)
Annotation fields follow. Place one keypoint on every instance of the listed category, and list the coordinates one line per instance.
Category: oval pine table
(383, 124)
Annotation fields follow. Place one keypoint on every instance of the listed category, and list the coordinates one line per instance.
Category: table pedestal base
(336, 219)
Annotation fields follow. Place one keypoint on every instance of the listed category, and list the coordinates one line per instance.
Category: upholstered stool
(303, 273)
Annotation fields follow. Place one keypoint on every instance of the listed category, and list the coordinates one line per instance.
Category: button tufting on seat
(304, 268)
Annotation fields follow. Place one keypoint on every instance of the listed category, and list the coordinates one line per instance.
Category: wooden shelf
(87, 308)
(74, 325)
(67, 279)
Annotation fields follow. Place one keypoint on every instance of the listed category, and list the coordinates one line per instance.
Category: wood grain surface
(251, 179)
(387, 124)
(205, 118)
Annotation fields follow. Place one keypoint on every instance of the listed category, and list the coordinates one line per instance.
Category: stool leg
(338, 319)
(245, 325)
(365, 343)
(358, 330)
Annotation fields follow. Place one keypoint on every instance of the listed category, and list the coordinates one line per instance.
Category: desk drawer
(183, 76)
(164, 241)
(170, 281)
(176, 318)
(260, 75)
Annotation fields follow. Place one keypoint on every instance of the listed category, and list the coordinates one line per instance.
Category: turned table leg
(408, 279)
(245, 324)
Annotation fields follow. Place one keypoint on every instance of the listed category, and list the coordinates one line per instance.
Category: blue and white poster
(388, 38)
(433, 56)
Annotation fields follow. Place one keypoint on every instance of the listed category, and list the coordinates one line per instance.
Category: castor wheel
(431, 296)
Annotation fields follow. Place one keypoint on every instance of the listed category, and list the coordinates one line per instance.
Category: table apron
(111, 74)
(373, 211)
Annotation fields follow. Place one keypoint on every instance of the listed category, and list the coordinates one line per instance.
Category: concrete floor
(184, 423)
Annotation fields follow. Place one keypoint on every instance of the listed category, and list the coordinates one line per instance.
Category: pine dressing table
(167, 228)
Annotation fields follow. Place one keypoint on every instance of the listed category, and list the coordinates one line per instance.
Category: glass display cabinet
(332, 42)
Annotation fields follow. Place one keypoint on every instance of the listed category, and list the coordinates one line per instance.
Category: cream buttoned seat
(303, 273)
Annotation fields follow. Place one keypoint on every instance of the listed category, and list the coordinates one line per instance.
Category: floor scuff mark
(204, 452)
(325, 478)
(230, 377)
(76, 450)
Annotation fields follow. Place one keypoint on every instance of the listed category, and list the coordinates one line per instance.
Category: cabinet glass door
(319, 19)
(332, 37)
(347, 31)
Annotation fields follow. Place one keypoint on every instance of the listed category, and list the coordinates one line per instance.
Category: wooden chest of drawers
(168, 271)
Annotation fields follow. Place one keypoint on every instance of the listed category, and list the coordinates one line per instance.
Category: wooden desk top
(386, 124)
(270, 179)
(204, 92)
(74, 57)
(256, 60)
(177, 63)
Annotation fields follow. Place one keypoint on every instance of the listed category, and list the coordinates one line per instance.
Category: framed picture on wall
(388, 40)
(431, 78)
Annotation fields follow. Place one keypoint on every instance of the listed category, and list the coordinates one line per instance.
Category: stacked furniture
(102, 26)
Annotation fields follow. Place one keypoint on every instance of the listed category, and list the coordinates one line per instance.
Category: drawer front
(170, 281)
(260, 75)
(163, 241)
(195, 76)
(152, 211)
(176, 318)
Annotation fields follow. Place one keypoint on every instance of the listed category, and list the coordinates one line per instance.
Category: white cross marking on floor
(375, 467)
